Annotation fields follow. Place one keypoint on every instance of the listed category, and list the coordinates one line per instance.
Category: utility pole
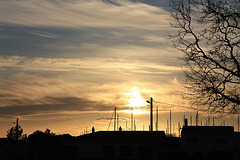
(151, 114)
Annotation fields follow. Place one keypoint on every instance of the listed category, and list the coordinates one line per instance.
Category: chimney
(185, 122)
(93, 129)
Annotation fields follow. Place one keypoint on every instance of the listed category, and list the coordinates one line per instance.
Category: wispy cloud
(73, 64)
(43, 34)
(87, 13)
(53, 105)
(25, 90)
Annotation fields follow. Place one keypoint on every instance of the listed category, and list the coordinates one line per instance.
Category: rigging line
(162, 121)
(111, 120)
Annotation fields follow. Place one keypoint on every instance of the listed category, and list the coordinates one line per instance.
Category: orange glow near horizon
(136, 111)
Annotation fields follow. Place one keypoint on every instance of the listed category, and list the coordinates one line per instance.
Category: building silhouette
(195, 143)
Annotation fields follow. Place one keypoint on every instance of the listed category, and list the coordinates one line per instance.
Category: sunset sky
(65, 65)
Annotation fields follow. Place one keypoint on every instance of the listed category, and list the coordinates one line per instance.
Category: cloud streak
(24, 91)
(71, 64)
(53, 105)
(75, 14)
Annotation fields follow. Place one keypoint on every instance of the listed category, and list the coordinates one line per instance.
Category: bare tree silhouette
(209, 36)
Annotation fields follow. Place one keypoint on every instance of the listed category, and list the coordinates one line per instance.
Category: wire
(180, 106)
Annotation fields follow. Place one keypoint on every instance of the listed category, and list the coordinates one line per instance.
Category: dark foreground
(196, 143)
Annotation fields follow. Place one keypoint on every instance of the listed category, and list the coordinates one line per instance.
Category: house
(209, 142)
(127, 145)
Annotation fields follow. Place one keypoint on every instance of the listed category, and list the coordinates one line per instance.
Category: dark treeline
(37, 146)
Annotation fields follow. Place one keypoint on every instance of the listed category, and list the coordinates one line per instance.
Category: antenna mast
(115, 118)
(157, 119)
(170, 122)
(197, 119)
(131, 118)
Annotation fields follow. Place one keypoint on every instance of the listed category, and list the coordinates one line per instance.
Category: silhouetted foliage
(15, 133)
(209, 36)
(45, 145)
(48, 132)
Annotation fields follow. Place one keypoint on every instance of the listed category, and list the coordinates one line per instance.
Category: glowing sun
(135, 99)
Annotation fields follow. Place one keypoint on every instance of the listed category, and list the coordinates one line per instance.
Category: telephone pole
(151, 114)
